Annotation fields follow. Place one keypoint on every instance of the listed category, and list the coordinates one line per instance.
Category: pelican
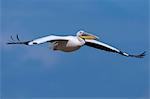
(72, 43)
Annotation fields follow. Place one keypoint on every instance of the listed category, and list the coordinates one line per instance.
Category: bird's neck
(81, 40)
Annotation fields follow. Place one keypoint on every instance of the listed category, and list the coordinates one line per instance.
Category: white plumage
(72, 43)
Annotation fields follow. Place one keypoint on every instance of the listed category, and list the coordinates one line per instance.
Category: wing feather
(101, 45)
(106, 47)
(50, 38)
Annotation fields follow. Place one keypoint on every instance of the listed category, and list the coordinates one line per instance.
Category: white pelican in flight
(72, 43)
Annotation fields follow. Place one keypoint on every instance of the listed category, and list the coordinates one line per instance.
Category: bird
(73, 43)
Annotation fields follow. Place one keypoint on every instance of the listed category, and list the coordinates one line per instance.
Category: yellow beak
(89, 37)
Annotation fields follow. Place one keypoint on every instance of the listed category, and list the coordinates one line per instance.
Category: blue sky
(39, 72)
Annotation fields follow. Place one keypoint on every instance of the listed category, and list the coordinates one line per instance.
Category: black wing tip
(17, 37)
(11, 43)
(136, 56)
(140, 55)
(18, 41)
(26, 43)
(8, 43)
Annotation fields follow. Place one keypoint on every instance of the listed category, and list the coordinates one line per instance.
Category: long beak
(89, 37)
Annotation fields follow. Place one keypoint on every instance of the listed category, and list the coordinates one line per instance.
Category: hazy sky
(36, 71)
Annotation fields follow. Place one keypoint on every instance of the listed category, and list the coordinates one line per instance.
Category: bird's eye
(81, 33)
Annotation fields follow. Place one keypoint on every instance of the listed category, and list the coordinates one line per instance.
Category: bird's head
(85, 35)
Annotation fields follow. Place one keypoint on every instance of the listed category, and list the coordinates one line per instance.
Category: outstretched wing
(106, 47)
(50, 38)
(40, 40)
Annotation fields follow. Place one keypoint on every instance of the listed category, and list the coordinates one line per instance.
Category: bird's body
(72, 43)
(61, 43)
